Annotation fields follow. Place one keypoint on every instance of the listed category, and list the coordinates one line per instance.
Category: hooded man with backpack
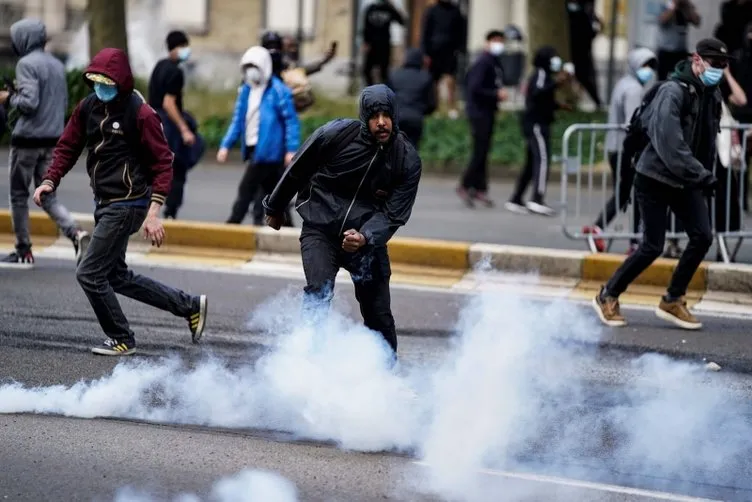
(130, 166)
(679, 122)
(356, 183)
(625, 100)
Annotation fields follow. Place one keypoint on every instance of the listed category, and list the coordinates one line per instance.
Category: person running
(41, 98)
(130, 167)
(540, 108)
(356, 182)
(674, 171)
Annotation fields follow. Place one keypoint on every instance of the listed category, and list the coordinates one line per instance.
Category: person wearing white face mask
(166, 86)
(625, 99)
(266, 122)
(483, 94)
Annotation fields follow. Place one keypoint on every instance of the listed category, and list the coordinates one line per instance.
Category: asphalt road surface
(438, 213)
(512, 406)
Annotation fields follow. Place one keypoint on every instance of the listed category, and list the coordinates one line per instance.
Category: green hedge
(446, 143)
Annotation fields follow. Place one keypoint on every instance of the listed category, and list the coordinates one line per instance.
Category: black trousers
(104, 272)
(476, 174)
(654, 199)
(622, 194)
(175, 197)
(413, 129)
(537, 165)
(256, 177)
(370, 271)
(584, 72)
(377, 57)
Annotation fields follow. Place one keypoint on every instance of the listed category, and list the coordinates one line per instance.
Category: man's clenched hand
(353, 241)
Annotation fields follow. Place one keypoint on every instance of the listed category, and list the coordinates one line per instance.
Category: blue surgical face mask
(556, 64)
(105, 93)
(711, 76)
(645, 74)
(184, 53)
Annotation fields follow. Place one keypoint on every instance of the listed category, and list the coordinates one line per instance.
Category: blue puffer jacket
(279, 127)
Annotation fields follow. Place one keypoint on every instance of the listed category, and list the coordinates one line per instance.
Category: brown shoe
(677, 313)
(608, 311)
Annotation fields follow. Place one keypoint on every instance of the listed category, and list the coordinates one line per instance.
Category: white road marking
(574, 483)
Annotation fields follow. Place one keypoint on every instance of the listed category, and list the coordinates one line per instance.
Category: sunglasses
(720, 64)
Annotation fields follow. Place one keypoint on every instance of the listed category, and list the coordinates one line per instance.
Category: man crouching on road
(674, 172)
(356, 183)
(130, 167)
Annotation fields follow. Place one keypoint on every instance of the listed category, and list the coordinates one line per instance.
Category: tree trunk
(548, 24)
(107, 25)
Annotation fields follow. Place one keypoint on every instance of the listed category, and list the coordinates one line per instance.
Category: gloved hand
(709, 186)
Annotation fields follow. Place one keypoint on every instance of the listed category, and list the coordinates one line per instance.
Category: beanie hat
(176, 39)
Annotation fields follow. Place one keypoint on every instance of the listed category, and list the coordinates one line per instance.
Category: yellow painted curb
(430, 253)
(39, 224)
(210, 235)
(599, 267)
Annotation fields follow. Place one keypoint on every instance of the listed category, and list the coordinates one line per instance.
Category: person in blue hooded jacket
(266, 122)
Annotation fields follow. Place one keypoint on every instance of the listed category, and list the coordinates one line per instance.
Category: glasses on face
(720, 64)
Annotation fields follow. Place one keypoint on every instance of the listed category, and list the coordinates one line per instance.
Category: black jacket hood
(543, 57)
(414, 58)
(374, 99)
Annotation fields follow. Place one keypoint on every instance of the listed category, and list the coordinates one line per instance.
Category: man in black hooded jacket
(356, 183)
(675, 171)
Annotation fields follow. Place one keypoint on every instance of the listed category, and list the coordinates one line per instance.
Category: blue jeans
(103, 272)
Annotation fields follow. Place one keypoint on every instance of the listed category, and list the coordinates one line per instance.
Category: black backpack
(636, 139)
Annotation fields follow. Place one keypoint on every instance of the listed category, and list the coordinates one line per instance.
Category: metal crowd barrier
(587, 184)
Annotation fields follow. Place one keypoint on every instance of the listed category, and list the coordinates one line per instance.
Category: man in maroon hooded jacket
(130, 167)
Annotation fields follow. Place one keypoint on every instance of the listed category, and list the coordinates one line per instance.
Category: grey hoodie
(626, 97)
(42, 91)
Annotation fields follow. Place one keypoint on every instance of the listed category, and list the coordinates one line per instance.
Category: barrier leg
(724, 249)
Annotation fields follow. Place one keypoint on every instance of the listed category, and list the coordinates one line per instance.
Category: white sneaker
(513, 207)
(541, 209)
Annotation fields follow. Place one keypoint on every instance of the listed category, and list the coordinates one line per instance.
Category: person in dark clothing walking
(540, 106)
(130, 173)
(584, 26)
(443, 39)
(415, 95)
(377, 39)
(484, 92)
(166, 97)
(356, 182)
(675, 171)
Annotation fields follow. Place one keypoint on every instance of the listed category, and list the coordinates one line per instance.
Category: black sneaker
(197, 319)
(111, 347)
(19, 257)
(80, 243)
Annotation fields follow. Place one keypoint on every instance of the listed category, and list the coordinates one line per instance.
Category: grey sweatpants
(27, 164)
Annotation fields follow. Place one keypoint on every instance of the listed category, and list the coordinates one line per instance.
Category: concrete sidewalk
(438, 213)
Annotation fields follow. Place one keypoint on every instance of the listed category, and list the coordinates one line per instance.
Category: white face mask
(555, 64)
(253, 75)
(496, 48)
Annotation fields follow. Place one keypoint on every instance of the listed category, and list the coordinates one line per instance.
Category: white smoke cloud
(245, 486)
(515, 390)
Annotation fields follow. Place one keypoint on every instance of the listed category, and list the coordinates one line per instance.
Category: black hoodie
(413, 87)
(741, 69)
(540, 99)
(444, 30)
(346, 180)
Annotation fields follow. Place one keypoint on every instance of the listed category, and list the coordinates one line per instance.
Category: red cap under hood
(114, 64)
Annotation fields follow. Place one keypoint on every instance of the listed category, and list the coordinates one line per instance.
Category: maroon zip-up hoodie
(117, 173)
